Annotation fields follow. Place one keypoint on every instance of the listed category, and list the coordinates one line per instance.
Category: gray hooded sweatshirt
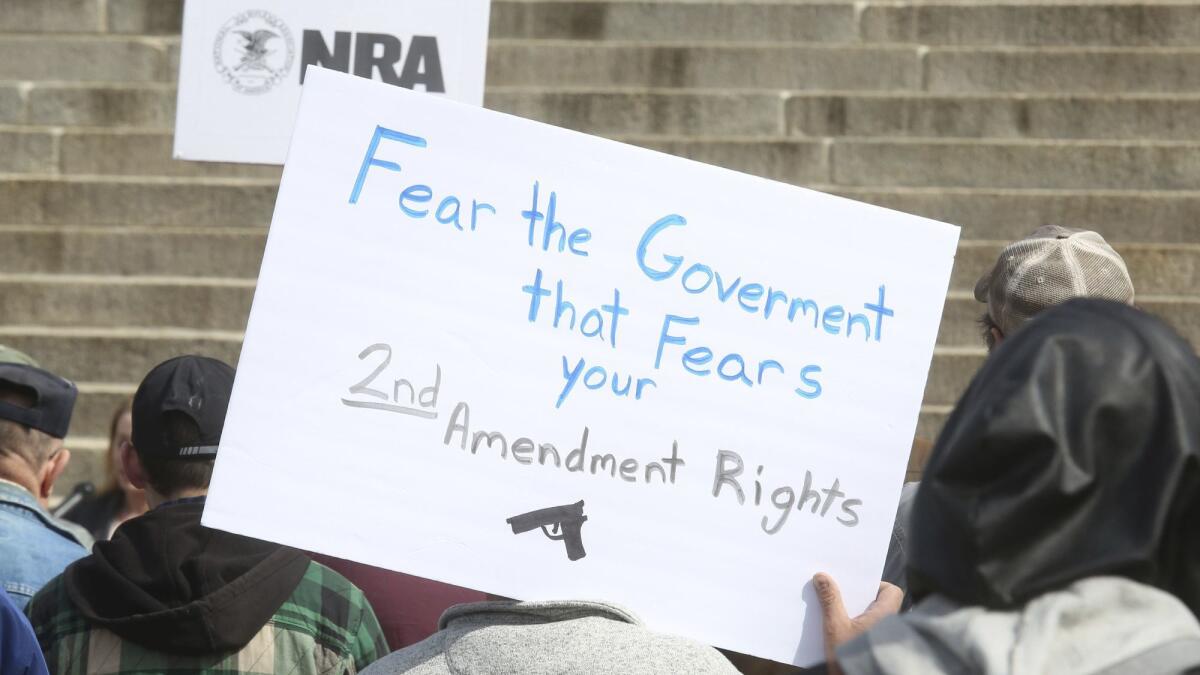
(540, 638)
(1097, 626)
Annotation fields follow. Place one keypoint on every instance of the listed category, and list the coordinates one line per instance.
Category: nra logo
(254, 51)
(420, 65)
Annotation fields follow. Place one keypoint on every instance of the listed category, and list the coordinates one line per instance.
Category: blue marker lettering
(418, 194)
(664, 338)
(533, 214)
(813, 386)
(370, 161)
(881, 310)
(571, 376)
(675, 260)
(536, 293)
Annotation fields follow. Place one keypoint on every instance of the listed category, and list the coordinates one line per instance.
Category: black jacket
(1075, 452)
(168, 583)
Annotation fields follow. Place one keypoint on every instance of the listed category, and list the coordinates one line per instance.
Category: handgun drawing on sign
(567, 520)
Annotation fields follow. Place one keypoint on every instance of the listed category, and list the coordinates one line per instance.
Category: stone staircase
(996, 115)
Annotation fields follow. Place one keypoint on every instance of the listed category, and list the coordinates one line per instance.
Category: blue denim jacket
(35, 547)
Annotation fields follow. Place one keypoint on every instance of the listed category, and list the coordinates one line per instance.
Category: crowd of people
(1051, 533)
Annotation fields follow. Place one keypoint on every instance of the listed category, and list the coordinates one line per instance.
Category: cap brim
(981, 288)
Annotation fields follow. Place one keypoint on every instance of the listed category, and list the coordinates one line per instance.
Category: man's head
(1047, 268)
(35, 414)
(178, 415)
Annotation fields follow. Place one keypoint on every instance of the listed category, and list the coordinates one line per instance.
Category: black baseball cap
(53, 399)
(196, 386)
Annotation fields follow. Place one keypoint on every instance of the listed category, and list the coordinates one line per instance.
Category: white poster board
(242, 63)
(403, 391)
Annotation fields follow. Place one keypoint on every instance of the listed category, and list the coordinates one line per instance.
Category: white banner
(242, 63)
(525, 360)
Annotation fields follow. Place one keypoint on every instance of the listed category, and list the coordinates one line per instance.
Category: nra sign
(242, 64)
(378, 56)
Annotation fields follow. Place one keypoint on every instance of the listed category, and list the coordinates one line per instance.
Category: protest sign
(242, 64)
(525, 360)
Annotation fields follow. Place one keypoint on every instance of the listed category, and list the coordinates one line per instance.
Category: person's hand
(839, 628)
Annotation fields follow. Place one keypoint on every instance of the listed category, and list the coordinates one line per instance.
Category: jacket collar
(19, 498)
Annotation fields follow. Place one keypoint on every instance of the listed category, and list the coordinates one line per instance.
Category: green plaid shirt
(325, 626)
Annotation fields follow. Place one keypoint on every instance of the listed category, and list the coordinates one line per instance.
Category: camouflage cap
(10, 355)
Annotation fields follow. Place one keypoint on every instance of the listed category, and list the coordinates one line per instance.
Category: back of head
(1050, 266)
(178, 414)
(1075, 452)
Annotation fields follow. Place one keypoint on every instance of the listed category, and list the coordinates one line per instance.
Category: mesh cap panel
(1047, 268)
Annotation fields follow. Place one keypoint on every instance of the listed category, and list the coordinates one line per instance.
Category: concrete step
(88, 58)
(1131, 24)
(195, 252)
(984, 214)
(795, 161)
(669, 21)
(958, 70)
(696, 113)
(28, 151)
(1008, 164)
(746, 66)
(127, 151)
(931, 23)
(555, 63)
(40, 200)
(142, 153)
(666, 112)
(938, 163)
(1157, 269)
(1165, 165)
(934, 23)
(91, 16)
(143, 17)
(120, 355)
(1091, 116)
(68, 16)
(116, 302)
(51, 150)
(1066, 70)
(148, 105)
(1120, 215)
(689, 113)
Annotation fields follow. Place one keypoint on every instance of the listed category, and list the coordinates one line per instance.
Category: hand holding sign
(463, 317)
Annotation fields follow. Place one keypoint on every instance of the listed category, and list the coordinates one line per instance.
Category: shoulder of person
(330, 598)
(51, 607)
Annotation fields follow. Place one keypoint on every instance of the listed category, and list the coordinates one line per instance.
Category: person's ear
(997, 336)
(51, 471)
(134, 470)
